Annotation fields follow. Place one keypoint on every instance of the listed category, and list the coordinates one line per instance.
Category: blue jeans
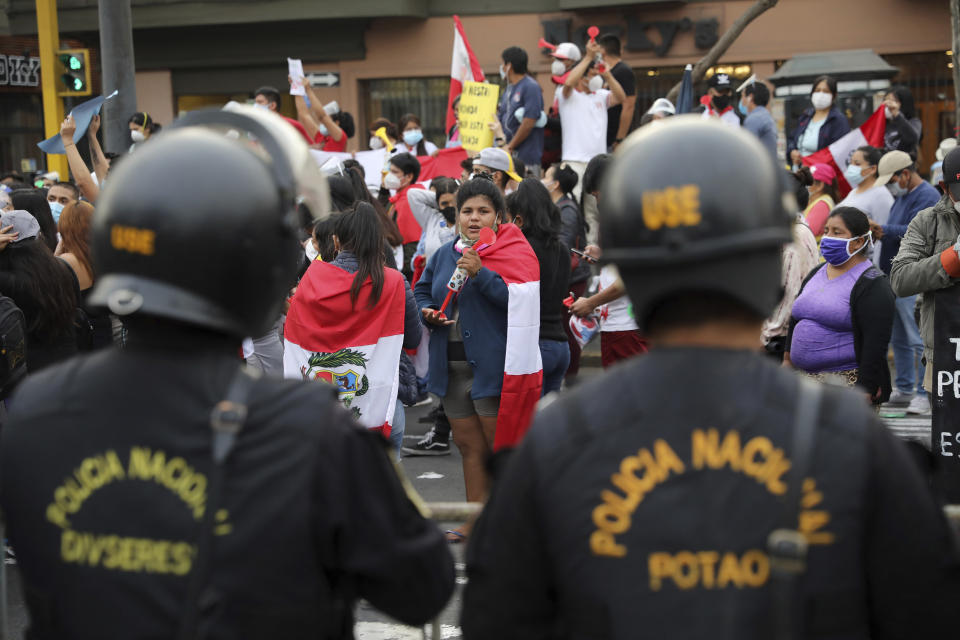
(907, 348)
(397, 428)
(556, 358)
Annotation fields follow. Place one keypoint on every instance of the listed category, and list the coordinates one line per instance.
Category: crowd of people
(479, 291)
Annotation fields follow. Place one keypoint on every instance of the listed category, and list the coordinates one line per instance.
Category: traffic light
(73, 69)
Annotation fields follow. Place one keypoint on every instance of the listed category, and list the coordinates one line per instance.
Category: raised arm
(81, 174)
(316, 106)
(100, 164)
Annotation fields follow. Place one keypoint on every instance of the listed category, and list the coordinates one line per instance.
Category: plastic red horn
(593, 32)
(487, 236)
(543, 44)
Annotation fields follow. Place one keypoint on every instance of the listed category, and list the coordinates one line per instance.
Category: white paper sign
(295, 71)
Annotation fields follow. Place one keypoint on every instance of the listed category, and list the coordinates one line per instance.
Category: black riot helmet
(694, 206)
(200, 226)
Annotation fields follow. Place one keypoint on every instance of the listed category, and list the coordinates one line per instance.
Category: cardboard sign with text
(478, 106)
(945, 426)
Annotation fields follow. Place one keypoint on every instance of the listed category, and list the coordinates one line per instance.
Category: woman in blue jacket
(820, 125)
(468, 342)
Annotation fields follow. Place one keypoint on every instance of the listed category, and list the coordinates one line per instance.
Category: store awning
(855, 64)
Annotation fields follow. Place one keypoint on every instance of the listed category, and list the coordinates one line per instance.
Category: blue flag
(82, 114)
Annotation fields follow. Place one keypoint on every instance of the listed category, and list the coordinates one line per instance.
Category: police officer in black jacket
(163, 491)
(700, 491)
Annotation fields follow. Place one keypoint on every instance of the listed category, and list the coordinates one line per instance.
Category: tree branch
(728, 38)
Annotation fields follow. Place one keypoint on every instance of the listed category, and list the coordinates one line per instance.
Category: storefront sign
(705, 33)
(478, 108)
(641, 35)
(945, 427)
(19, 71)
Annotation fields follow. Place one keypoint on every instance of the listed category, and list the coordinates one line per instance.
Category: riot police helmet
(691, 206)
(200, 225)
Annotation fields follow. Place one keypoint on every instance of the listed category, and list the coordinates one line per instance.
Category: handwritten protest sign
(295, 71)
(945, 426)
(478, 106)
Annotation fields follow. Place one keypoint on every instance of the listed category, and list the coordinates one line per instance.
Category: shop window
(21, 128)
(392, 98)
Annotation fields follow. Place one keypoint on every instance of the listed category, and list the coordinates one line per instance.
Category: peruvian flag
(463, 67)
(353, 347)
(515, 262)
(445, 163)
(838, 154)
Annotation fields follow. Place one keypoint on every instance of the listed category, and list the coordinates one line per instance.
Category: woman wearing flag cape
(484, 353)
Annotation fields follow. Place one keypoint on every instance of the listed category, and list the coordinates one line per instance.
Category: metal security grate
(392, 98)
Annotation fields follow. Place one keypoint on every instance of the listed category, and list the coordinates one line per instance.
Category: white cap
(945, 146)
(53, 175)
(662, 105)
(566, 51)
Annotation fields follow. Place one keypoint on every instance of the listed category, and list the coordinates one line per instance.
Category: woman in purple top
(842, 319)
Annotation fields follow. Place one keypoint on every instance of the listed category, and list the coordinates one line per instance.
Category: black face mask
(449, 213)
(721, 102)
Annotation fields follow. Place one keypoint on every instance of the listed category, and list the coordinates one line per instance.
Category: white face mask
(956, 206)
(376, 143)
(821, 100)
(595, 84)
(137, 136)
(310, 251)
(503, 73)
(391, 181)
(557, 68)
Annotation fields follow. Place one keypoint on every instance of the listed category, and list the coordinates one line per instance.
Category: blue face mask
(742, 109)
(836, 251)
(412, 137)
(56, 209)
(853, 175)
(323, 130)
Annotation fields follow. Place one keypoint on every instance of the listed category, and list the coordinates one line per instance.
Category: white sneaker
(899, 397)
(920, 405)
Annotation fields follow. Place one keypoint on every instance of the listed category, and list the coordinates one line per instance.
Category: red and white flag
(512, 258)
(464, 67)
(353, 347)
(837, 155)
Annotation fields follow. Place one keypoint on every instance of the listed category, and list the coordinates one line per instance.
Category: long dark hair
(593, 176)
(360, 233)
(34, 201)
(541, 218)
(362, 194)
(41, 286)
(905, 98)
(406, 119)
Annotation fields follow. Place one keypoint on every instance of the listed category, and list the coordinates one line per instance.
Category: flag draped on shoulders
(352, 347)
(837, 155)
(512, 258)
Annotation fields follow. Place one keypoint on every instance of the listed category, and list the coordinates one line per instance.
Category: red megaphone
(543, 44)
(593, 32)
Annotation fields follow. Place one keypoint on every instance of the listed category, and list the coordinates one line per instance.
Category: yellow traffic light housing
(73, 72)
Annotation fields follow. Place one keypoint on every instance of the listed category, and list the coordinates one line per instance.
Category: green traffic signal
(75, 63)
(74, 72)
(77, 84)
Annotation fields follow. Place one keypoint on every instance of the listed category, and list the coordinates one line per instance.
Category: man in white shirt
(583, 104)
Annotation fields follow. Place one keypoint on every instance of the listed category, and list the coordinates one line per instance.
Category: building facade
(391, 57)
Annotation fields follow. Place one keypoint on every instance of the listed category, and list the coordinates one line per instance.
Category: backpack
(13, 346)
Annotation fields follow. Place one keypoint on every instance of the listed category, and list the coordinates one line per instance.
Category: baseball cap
(823, 173)
(566, 51)
(24, 224)
(945, 145)
(720, 81)
(951, 171)
(498, 160)
(890, 163)
(662, 105)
